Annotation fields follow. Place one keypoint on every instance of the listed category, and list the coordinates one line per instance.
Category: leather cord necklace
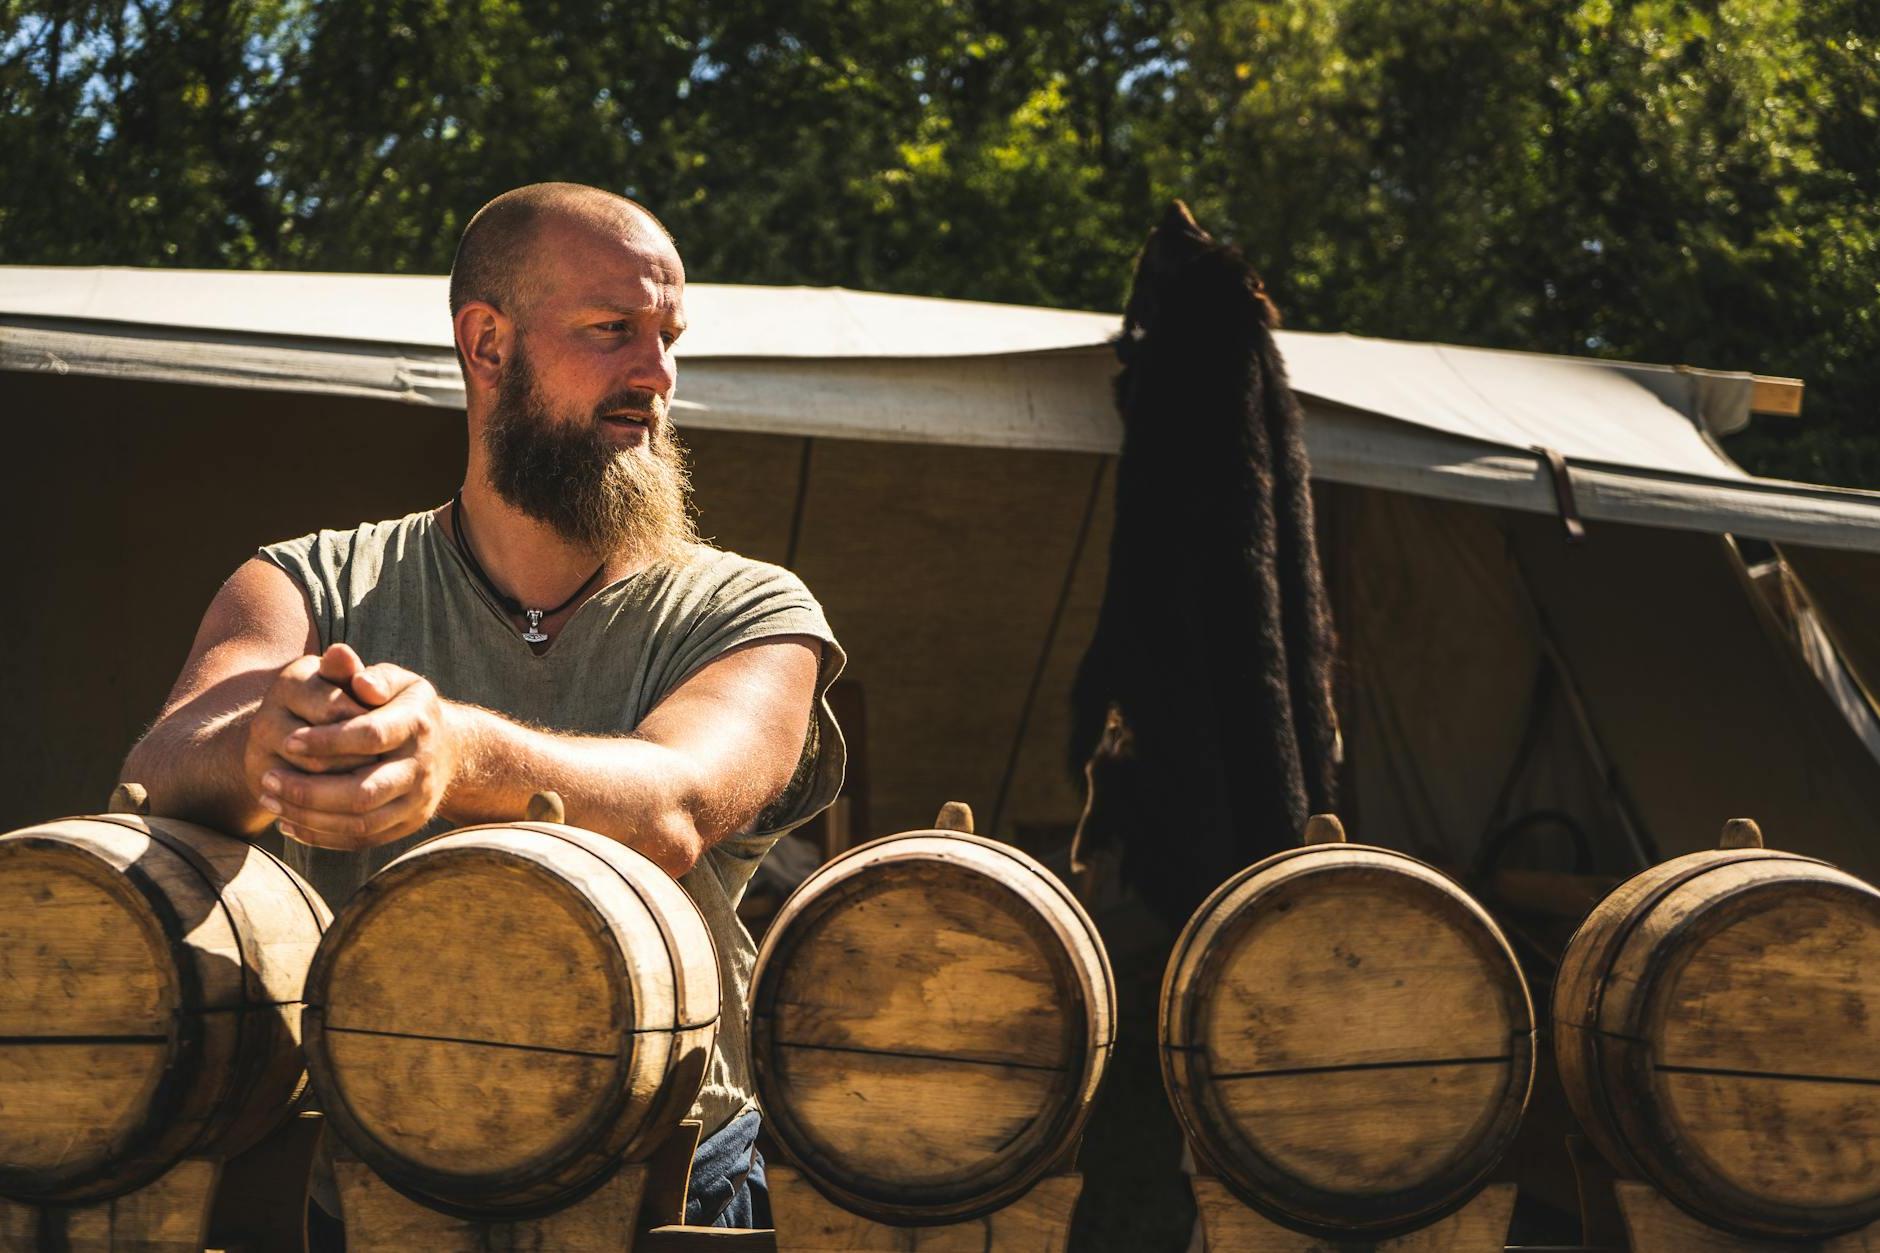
(532, 634)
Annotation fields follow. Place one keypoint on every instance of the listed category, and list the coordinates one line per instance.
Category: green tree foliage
(1674, 180)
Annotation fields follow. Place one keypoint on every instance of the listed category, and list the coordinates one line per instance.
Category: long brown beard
(611, 501)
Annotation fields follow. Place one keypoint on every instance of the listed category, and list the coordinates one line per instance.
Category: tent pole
(802, 502)
(1644, 848)
(1050, 642)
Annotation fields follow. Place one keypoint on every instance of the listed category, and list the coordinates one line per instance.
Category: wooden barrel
(1717, 1021)
(502, 1015)
(931, 1016)
(1346, 1038)
(150, 986)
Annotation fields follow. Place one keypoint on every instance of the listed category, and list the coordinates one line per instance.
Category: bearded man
(556, 626)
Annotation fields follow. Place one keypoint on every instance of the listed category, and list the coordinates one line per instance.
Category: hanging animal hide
(1202, 712)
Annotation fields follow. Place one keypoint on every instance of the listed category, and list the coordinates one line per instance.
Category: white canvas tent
(938, 472)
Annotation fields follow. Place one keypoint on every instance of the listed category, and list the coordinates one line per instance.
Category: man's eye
(612, 326)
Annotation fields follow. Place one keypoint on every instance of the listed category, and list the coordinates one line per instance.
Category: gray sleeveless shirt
(399, 592)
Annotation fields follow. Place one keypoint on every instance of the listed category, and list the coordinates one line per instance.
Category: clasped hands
(346, 755)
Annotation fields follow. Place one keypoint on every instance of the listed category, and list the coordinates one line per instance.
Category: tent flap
(1844, 587)
(1047, 401)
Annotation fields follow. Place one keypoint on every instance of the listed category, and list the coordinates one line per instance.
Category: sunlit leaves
(1677, 180)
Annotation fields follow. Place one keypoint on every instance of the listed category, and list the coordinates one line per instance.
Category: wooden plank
(169, 1216)
(1776, 397)
(1481, 1226)
(1657, 1226)
(669, 1176)
(378, 1218)
(1037, 1222)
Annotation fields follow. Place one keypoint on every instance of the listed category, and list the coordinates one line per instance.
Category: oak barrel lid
(1347, 1039)
(118, 934)
(492, 1006)
(931, 1015)
(1718, 1036)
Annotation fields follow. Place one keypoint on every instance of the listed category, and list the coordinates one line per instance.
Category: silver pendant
(534, 634)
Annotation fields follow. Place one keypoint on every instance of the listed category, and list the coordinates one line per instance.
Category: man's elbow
(672, 842)
(668, 838)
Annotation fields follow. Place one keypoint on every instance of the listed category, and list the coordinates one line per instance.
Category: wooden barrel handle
(1741, 833)
(129, 798)
(1324, 829)
(546, 806)
(955, 816)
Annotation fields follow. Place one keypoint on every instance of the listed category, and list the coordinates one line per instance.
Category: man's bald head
(493, 262)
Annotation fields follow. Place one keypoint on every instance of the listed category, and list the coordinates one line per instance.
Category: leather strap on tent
(1563, 494)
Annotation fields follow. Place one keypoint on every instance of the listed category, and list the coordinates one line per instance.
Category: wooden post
(261, 1202)
(1655, 1225)
(612, 1219)
(1601, 1224)
(379, 1217)
(808, 1222)
(170, 1215)
(255, 1202)
(1481, 1226)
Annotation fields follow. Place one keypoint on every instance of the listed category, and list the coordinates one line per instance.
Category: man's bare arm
(198, 758)
(700, 767)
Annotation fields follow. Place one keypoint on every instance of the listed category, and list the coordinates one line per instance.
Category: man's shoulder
(724, 590)
(717, 572)
(374, 542)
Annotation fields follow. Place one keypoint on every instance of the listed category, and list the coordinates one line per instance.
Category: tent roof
(1460, 423)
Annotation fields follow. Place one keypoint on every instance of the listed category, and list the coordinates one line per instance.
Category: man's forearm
(191, 765)
(632, 790)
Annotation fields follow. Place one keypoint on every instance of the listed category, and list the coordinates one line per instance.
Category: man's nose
(653, 367)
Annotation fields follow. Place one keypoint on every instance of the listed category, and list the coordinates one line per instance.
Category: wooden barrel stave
(1714, 1020)
(939, 975)
(1285, 1087)
(511, 1079)
(179, 977)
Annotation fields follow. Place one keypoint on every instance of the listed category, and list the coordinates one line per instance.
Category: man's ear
(484, 338)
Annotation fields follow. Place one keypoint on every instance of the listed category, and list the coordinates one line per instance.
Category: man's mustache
(637, 400)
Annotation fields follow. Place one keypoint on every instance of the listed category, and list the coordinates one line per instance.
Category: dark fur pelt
(1214, 647)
